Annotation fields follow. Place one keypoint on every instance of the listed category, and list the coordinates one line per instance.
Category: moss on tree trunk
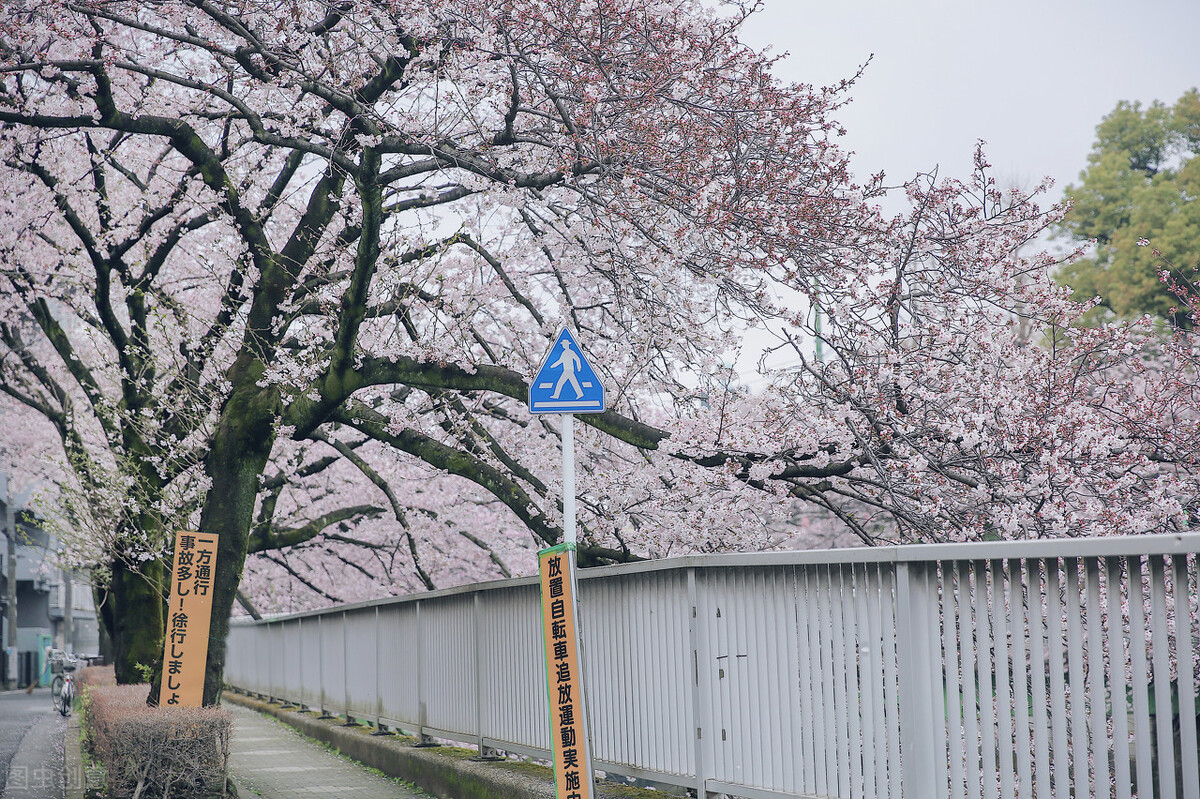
(241, 446)
(133, 617)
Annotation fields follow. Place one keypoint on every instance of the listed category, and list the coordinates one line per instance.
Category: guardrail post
(700, 713)
(350, 720)
(485, 752)
(325, 714)
(303, 698)
(914, 670)
(478, 673)
(380, 727)
(269, 683)
(424, 738)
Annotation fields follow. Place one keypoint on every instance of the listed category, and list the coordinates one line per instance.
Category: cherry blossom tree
(282, 270)
(295, 228)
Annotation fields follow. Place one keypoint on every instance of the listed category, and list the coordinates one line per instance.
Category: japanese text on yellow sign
(185, 645)
(568, 726)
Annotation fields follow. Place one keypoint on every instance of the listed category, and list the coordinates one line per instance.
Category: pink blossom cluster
(362, 224)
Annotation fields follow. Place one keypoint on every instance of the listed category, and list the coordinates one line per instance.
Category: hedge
(155, 751)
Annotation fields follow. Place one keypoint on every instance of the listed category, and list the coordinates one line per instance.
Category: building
(54, 608)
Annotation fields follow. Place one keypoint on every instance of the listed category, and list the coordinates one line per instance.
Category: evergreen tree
(1141, 182)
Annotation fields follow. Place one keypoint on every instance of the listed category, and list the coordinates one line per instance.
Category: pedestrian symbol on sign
(569, 362)
(566, 367)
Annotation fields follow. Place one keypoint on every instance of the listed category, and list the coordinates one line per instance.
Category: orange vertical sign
(185, 645)
(569, 739)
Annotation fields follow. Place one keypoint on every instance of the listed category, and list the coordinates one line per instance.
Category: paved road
(271, 760)
(31, 746)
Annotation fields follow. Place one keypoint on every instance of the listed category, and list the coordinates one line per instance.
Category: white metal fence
(1062, 668)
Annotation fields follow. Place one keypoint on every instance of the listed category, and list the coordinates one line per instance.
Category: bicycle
(56, 686)
(62, 685)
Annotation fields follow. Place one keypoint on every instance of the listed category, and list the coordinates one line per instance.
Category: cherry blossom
(282, 270)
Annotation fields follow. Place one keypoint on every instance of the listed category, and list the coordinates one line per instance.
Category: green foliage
(1141, 182)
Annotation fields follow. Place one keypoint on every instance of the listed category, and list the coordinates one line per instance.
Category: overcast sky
(1030, 78)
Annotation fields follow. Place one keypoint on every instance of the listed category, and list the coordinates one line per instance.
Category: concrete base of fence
(443, 771)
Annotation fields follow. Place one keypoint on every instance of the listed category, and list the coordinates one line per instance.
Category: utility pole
(68, 622)
(10, 622)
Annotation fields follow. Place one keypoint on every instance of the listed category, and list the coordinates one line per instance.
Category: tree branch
(455, 462)
(279, 538)
(346, 452)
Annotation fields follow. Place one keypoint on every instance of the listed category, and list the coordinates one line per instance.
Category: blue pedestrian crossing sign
(566, 382)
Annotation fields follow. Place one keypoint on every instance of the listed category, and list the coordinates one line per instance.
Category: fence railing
(1035, 669)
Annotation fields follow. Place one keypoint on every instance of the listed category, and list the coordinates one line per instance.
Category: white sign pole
(568, 450)
(565, 366)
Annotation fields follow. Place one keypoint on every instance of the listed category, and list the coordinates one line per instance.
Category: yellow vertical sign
(569, 742)
(185, 645)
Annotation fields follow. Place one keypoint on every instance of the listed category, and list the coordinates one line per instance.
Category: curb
(442, 771)
(74, 774)
(78, 782)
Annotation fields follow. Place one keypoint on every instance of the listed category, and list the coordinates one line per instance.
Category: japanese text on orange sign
(568, 730)
(185, 647)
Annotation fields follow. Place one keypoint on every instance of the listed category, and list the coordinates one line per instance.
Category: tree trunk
(241, 447)
(104, 619)
(133, 617)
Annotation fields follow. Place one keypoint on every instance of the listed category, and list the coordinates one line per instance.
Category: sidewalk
(271, 760)
(269, 754)
(37, 768)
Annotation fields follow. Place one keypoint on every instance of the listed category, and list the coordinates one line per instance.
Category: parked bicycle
(62, 685)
